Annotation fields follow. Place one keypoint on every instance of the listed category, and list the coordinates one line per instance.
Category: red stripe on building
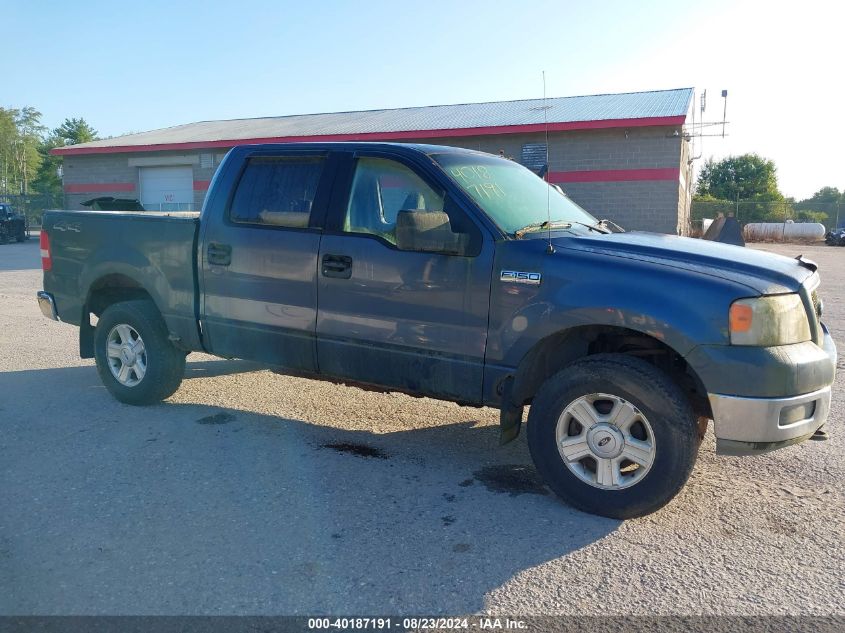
(615, 175)
(201, 185)
(383, 136)
(99, 187)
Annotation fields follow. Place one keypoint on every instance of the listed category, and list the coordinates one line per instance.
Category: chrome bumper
(745, 426)
(47, 305)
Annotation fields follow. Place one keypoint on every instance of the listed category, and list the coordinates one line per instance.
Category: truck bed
(152, 250)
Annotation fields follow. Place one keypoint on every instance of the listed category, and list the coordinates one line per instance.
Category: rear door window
(277, 191)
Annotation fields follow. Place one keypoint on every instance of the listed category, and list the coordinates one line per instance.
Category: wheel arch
(103, 292)
(553, 352)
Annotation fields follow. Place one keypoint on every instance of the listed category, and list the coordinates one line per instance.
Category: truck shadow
(222, 510)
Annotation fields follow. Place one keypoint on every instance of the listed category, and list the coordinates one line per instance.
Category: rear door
(406, 314)
(259, 259)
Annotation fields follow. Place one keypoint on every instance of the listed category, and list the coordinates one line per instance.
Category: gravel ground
(253, 493)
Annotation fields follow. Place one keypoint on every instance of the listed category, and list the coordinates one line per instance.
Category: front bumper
(764, 398)
(47, 305)
(747, 426)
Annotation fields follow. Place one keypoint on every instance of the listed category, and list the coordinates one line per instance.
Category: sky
(136, 66)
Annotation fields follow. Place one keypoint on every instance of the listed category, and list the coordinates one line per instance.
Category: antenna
(548, 168)
(693, 133)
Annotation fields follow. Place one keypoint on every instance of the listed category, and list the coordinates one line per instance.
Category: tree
(748, 181)
(70, 132)
(47, 181)
(20, 135)
(74, 131)
(825, 206)
(746, 177)
(808, 215)
(8, 136)
(827, 195)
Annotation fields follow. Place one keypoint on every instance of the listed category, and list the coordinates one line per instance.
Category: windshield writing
(510, 194)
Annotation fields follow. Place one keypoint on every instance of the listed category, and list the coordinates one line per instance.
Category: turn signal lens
(741, 316)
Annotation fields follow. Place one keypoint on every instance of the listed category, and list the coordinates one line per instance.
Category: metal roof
(659, 107)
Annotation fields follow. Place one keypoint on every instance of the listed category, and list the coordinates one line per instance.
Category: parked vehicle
(110, 203)
(835, 237)
(13, 226)
(457, 275)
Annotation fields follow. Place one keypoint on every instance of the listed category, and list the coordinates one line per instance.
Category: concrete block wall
(635, 206)
(686, 190)
(88, 176)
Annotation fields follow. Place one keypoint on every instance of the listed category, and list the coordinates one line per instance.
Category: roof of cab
(419, 148)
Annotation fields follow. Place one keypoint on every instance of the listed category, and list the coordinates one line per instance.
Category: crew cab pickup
(457, 275)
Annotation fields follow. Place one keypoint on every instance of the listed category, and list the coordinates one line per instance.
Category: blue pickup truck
(457, 275)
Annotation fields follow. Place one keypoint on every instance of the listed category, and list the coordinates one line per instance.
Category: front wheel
(613, 435)
(135, 359)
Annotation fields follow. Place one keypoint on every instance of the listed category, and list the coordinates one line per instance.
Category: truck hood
(763, 272)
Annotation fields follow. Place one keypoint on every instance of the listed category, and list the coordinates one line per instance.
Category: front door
(259, 261)
(403, 285)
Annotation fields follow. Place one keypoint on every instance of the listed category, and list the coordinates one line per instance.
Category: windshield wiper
(611, 226)
(598, 227)
(545, 225)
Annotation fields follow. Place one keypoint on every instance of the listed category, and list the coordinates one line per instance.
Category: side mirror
(428, 231)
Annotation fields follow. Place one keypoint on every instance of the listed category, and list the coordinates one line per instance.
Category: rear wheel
(135, 359)
(613, 435)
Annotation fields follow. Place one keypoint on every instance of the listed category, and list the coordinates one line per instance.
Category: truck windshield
(513, 196)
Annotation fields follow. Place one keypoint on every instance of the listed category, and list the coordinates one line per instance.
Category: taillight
(46, 257)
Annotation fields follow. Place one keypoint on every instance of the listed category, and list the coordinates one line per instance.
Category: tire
(155, 372)
(21, 237)
(661, 432)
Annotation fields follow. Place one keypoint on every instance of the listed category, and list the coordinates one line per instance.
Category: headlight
(769, 321)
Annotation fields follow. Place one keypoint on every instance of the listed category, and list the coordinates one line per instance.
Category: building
(621, 156)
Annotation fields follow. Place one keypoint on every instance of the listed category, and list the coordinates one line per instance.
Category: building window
(533, 156)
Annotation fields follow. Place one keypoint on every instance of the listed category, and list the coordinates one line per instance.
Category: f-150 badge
(520, 277)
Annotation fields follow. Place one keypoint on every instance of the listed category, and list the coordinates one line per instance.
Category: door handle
(339, 266)
(219, 254)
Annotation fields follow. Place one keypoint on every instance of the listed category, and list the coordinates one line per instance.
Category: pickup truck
(13, 226)
(457, 275)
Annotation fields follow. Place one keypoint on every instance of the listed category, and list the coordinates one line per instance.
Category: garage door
(167, 188)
